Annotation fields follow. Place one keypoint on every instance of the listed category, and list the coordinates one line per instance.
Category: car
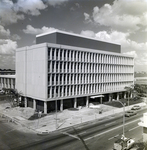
(130, 113)
(136, 107)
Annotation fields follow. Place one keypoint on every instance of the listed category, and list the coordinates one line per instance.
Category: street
(90, 136)
(13, 135)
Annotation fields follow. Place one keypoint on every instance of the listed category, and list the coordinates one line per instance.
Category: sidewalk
(67, 118)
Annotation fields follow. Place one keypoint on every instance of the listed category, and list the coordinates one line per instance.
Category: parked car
(136, 107)
(130, 113)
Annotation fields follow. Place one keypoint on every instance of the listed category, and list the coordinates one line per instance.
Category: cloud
(121, 15)
(131, 53)
(88, 33)
(31, 30)
(87, 17)
(7, 13)
(32, 7)
(7, 53)
(4, 32)
(16, 37)
(54, 2)
(7, 46)
(77, 5)
(11, 12)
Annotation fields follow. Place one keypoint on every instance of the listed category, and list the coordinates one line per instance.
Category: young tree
(13, 96)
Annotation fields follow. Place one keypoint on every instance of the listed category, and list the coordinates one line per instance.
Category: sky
(116, 21)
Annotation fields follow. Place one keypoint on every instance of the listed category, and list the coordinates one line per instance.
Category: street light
(56, 111)
(123, 115)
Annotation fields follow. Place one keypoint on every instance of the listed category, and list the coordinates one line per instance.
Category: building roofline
(70, 47)
(74, 34)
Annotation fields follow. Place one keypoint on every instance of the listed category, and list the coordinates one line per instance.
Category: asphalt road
(13, 135)
(98, 135)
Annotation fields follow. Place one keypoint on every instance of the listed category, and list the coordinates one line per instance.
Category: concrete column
(75, 102)
(34, 104)
(131, 95)
(61, 105)
(110, 97)
(101, 100)
(125, 95)
(87, 101)
(117, 96)
(26, 102)
(45, 107)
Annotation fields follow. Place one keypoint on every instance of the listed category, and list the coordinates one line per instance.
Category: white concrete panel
(20, 69)
(37, 72)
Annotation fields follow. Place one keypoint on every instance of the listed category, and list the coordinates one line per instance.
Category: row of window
(83, 56)
(7, 81)
(58, 79)
(54, 66)
(72, 90)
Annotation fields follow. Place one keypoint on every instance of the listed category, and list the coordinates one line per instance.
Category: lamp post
(56, 111)
(123, 116)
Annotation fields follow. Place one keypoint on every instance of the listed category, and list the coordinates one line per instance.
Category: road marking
(134, 128)
(109, 130)
(70, 135)
(110, 123)
(82, 133)
(113, 137)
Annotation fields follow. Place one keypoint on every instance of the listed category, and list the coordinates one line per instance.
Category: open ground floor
(76, 102)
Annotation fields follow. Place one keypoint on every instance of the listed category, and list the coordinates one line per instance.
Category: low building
(7, 81)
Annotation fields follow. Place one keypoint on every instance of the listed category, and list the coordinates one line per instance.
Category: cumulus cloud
(7, 46)
(88, 33)
(121, 15)
(12, 11)
(131, 53)
(30, 7)
(16, 37)
(4, 32)
(7, 53)
(8, 14)
(31, 30)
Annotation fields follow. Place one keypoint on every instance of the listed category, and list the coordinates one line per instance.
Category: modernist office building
(71, 69)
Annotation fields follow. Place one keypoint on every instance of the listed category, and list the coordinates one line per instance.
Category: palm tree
(130, 90)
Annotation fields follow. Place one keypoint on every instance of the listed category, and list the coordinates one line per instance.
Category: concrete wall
(31, 71)
(21, 69)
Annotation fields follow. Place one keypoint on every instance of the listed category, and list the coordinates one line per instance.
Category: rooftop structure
(70, 39)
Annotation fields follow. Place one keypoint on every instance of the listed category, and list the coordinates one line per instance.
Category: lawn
(124, 101)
